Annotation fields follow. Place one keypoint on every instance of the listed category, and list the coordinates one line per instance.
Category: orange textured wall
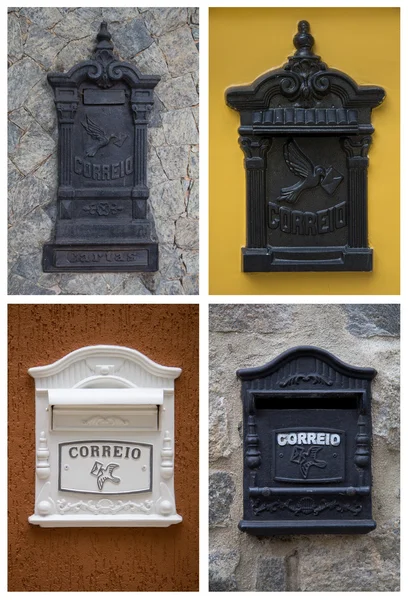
(102, 559)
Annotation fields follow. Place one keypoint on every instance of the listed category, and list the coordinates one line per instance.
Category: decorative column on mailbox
(305, 132)
(103, 222)
(307, 445)
(104, 440)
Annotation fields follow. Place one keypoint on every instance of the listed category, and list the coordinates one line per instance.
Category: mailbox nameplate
(306, 455)
(105, 467)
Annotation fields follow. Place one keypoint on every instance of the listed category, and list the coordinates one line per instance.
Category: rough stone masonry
(160, 41)
(252, 335)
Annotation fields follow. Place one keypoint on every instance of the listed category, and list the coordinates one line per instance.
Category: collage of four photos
(203, 378)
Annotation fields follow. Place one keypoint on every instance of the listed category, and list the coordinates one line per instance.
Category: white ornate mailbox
(104, 440)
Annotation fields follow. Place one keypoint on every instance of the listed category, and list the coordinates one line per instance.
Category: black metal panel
(307, 445)
(305, 132)
(103, 222)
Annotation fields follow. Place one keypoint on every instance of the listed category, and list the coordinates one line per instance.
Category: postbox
(104, 440)
(305, 132)
(103, 222)
(307, 445)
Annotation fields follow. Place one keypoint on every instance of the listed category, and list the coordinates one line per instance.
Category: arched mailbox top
(293, 355)
(100, 353)
(104, 70)
(305, 81)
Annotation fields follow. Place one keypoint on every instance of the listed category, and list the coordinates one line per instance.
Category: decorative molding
(104, 506)
(314, 378)
(167, 465)
(252, 453)
(306, 506)
(165, 504)
(362, 453)
(42, 467)
(357, 147)
(120, 352)
(44, 503)
(294, 354)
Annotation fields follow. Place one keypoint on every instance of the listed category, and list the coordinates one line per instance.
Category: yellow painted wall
(245, 42)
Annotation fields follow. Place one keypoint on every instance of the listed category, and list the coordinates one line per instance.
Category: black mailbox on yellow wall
(307, 445)
(305, 132)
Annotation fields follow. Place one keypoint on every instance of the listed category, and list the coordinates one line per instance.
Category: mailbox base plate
(336, 258)
(307, 527)
(108, 258)
(105, 520)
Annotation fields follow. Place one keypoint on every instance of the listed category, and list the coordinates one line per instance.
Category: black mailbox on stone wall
(305, 132)
(103, 222)
(307, 445)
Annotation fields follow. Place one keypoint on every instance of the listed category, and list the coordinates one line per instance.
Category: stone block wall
(250, 335)
(160, 41)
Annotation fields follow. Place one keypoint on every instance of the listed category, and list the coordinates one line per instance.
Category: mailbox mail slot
(105, 440)
(307, 437)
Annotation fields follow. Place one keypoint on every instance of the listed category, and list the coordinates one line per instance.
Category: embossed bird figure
(104, 473)
(310, 175)
(102, 139)
(307, 458)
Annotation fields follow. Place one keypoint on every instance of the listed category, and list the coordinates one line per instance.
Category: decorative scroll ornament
(305, 79)
(104, 74)
(314, 378)
(306, 506)
(104, 506)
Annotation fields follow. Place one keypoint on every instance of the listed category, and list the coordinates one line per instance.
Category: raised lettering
(78, 165)
(307, 223)
(117, 451)
(71, 450)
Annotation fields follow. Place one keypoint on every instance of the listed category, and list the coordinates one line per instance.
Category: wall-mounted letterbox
(104, 440)
(103, 222)
(307, 445)
(305, 132)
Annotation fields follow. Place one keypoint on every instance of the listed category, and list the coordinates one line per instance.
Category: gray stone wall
(251, 335)
(160, 41)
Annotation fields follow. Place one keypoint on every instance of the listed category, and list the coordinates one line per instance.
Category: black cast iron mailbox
(305, 132)
(307, 445)
(103, 222)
